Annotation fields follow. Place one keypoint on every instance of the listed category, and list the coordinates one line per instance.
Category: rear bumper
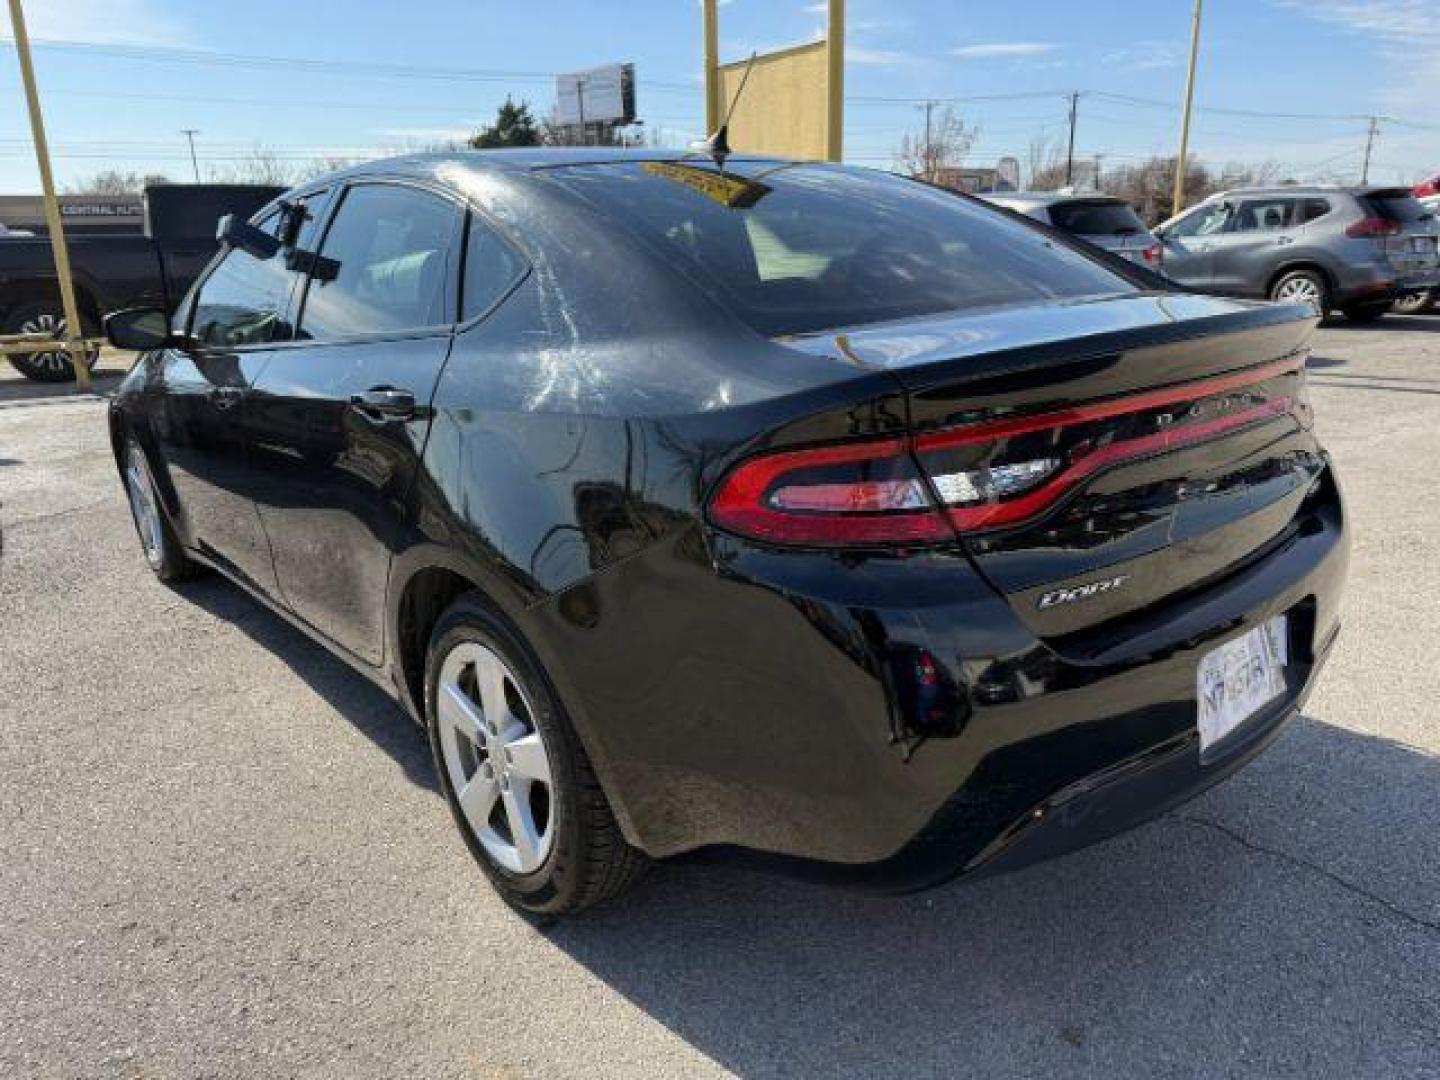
(774, 706)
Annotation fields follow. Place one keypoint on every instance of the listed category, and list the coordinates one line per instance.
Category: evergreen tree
(514, 126)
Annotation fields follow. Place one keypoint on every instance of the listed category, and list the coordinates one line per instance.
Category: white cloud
(111, 22)
(856, 54)
(999, 50)
(1146, 55)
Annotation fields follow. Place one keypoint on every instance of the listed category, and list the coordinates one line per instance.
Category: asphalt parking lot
(223, 853)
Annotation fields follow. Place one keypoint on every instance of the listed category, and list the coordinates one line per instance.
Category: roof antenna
(717, 146)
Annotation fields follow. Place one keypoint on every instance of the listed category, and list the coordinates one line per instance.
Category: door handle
(226, 397)
(382, 403)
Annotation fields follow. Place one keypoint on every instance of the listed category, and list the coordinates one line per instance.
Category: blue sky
(384, 76)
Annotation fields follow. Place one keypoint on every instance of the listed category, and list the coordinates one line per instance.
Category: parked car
(115, 270)
(1102, 220)
(1357, 249)
(1427, 189)
(787, 507)
(1418, 303)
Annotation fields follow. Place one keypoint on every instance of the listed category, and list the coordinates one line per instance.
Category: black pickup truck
(114, 271)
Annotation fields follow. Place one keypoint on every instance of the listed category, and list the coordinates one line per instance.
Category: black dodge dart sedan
(759, 505)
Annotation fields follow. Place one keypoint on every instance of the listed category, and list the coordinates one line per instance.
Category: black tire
(160, 547)
(53, 365)
(1368, 313)
(589, 860)
(1414, 303)
(1311, 280)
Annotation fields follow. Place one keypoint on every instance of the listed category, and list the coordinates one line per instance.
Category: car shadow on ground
(1142, 942)
(1407, 323)
(364, 705)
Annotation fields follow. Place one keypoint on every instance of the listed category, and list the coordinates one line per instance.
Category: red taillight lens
(987, 475)
(1373, 227)
(1153, 254)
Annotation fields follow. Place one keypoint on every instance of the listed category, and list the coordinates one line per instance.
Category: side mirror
(138, 329)
(239, 233)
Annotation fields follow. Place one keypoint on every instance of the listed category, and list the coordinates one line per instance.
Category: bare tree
(1046, 161)
(1149, 186)
(115, 182)
(949, 143)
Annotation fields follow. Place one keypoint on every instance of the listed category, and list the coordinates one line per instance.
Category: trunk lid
(1171, 433)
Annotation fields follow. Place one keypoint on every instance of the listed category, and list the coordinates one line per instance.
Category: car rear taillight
(899, 491)
(1373, 227)
(1153, 255)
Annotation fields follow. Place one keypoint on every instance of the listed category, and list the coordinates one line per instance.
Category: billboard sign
(601, 95)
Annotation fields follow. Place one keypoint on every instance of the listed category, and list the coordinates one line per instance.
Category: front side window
(245, 300)
(1206, 221)
(383, 265)
(1264, 215)
(803, 248)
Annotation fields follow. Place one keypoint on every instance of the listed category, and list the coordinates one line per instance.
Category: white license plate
(1239, 678)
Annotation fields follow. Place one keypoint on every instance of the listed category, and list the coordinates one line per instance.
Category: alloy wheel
(1302, 290)
(143, 505)
(53, 360)
(495, 757)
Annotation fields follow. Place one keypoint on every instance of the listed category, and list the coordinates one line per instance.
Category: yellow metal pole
(1179, 199)
(835, 90)
(74, 334)
(712, 67)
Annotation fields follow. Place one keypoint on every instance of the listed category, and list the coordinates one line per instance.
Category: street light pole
(190, 134)
(1178, 202)
(74, 335)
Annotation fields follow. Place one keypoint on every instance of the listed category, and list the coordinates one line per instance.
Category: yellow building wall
(784, 109)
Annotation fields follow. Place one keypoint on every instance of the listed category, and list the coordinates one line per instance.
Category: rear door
(1189, 255)
(1253, 245)
(339, 421)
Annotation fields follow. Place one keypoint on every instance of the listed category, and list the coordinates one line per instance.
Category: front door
(236, 321)
(339, 421)
(1189, 252)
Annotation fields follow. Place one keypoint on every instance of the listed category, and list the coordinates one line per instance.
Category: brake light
(1152, 255)
(1373, 227)
(992, 474)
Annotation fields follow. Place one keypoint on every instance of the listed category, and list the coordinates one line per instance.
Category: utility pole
(713, 111)
(1178, 202)
(1070, 155)
(74, 335)
(929, 107)
(1098, 159)
(190, 134)
(1369, 147)
(580, 99)
(835, 81)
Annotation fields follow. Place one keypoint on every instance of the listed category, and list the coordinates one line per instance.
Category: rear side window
(1395, 206)
(491, 267)
(800, 248)
(245, 300)
(1096, 218)
(1312, 209)
(1264, 215)
(383, 265)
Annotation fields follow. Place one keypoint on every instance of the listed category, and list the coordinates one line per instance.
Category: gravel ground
(223, 854)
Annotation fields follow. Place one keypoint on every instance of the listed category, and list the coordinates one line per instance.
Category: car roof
(528, 159)
(1048, 198)
(1304, 189)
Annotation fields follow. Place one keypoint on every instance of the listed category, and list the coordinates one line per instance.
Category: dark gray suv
(1357, 249)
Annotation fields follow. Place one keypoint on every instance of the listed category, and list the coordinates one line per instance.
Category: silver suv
(1102, 220)
(1358, 249)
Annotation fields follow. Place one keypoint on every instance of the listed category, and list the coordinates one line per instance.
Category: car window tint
(245, 300)
(1263, 215)
(1097, 218)
(803, 248)
(382, 265)
(1399, 206)
(1311, 209)
(1206, 221)
(491, 267)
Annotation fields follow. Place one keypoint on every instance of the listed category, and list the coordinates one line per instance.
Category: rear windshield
(1096, 218)
(1396, 206)
(799, 248)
